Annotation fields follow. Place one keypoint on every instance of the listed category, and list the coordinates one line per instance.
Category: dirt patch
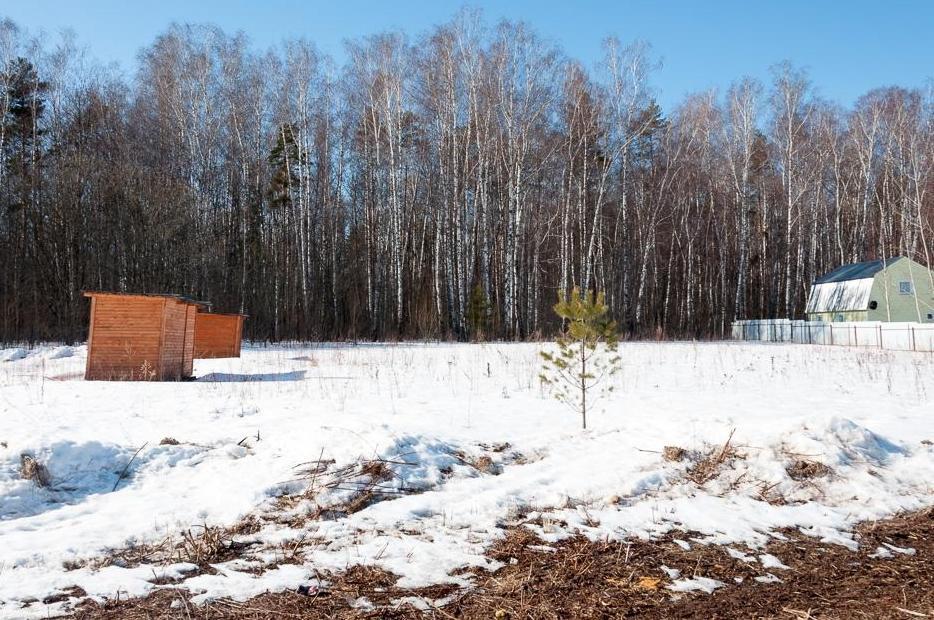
(361, 592)
(64, 595)
(584, 579)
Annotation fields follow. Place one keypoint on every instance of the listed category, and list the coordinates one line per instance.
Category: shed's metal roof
(856, 271)
(181, 298)
(212, 313)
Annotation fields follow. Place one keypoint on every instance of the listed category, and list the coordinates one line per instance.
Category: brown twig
(130, 462)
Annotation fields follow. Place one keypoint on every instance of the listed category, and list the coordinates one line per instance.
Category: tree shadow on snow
(226, 377)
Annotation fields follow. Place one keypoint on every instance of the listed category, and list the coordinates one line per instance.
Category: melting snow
(703, 584)
(902, 550)
(673, 573)
(770, 561)
(739, 555)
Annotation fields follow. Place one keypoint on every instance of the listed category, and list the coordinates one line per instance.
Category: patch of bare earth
(336, 601)
(584, 579)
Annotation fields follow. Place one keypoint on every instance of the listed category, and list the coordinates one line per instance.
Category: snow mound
(12, 355)
(77, 471)
(857, 442)
(60, 353)
(841, 442)
(408, 465)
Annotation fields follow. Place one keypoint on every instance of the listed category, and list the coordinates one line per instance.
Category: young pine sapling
(586, 354)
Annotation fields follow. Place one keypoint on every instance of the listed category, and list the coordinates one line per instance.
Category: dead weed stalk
(31, 469)
(709, 466)
(367, 480)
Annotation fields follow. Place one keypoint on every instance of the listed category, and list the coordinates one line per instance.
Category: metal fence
(895, 336)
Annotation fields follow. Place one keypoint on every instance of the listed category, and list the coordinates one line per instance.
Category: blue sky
(848, 46)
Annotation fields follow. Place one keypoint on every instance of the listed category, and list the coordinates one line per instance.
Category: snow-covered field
(250, 430)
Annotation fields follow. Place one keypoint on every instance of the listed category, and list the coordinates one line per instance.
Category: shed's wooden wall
(173, 340)
(124, 338)
(138, 337)
(217, 335)
(189, 353)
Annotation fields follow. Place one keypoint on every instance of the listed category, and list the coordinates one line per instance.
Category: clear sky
(848, 46)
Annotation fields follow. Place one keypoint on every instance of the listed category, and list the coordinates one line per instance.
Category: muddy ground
(584, 579)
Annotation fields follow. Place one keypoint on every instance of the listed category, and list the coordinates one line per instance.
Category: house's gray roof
(856, 271)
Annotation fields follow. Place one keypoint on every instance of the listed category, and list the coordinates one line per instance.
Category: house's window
(873, 304)
(839, 318)
(930, 316)
(904, 287)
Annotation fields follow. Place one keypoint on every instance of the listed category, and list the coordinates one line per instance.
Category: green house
(894, 289)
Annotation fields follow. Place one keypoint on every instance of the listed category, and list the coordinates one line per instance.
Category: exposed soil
(336, 602)
(584, 579)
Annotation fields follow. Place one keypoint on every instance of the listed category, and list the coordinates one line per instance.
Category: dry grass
(673, 454)
(367, 480)
(580, 578)
(202, 545)
(709, 465)
(803, 469)
(483, 463)
(205, 545)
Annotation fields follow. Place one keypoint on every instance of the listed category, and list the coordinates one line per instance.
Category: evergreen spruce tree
(26, 98)
(478, 313)
(284, 161)
(586, 354)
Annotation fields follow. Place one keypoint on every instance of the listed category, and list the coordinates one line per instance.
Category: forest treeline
(440, 185)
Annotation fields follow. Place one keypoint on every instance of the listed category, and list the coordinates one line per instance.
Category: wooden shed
(140, 337)
(218, 335)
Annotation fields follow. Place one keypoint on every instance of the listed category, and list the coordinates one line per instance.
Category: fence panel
(873, 334)
(923, 338)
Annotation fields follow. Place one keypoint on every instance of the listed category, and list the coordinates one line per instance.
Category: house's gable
(902, 292)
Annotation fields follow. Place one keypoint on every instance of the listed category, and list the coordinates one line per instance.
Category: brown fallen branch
(127, 467)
